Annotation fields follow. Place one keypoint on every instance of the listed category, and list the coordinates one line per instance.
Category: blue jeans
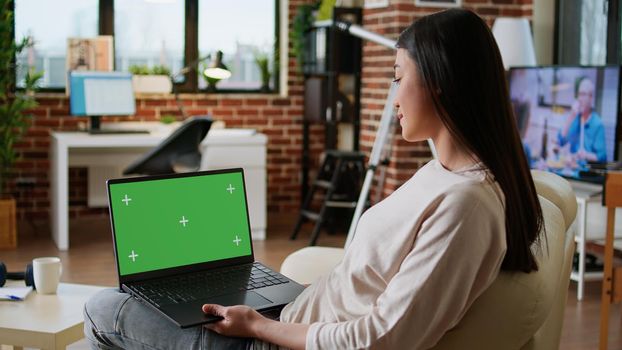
(116, 320)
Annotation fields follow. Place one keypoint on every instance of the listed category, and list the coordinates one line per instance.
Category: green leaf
(15, 117)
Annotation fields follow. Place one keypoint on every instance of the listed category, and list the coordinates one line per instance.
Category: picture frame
(89, 54)
(438, 3)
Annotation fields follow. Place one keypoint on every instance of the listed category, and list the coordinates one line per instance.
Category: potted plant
(156, 80)
(263, 63)
(14, 118)
(301, 24)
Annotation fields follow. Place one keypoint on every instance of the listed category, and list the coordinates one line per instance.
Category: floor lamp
(513, 36)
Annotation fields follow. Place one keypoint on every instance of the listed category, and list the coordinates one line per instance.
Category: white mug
(46, 272)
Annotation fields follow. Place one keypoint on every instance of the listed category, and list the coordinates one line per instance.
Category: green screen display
(174, 222)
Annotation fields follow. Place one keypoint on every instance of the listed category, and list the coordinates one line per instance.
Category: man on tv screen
(584, 130)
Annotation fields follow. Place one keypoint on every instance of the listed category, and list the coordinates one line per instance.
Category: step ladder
(340, 179)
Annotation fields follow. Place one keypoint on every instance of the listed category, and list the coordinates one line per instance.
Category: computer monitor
(97, 94)
(568, 118)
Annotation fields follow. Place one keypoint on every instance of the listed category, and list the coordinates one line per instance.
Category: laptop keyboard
(204, 284)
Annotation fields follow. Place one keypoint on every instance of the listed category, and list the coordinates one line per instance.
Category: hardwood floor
(90, 260)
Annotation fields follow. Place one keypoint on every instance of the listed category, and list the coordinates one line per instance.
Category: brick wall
(378, 61)
(280, 118)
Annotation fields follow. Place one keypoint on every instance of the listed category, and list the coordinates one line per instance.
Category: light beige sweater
(418, 261)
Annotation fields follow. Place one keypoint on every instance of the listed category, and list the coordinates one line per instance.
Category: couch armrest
(308, 264)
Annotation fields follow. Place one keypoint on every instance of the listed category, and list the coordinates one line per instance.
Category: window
(154, 32)
(242, 30)
(149, 33)
(49, 28)
(588, 32)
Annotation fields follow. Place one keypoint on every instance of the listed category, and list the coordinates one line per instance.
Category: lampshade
(217, 69)
(515, 42)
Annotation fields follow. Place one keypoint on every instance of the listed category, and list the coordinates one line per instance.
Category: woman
(424, 254)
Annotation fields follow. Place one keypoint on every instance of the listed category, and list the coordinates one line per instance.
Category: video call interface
(567, 117)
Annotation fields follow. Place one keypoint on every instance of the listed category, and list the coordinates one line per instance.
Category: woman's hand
(242, 321)
(238, 321)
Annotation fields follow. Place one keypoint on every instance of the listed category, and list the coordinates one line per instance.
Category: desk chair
(519, 310)
(178, 153)
(612, 275)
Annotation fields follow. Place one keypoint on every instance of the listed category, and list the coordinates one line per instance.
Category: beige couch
(518, 311)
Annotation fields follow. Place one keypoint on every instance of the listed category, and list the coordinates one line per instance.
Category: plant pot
(152, 84)
(265, 87)
(8, 223)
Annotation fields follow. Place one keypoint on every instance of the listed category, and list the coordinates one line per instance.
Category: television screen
(567, 117)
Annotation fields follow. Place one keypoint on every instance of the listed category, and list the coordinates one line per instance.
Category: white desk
(107, 155)
(45, 321)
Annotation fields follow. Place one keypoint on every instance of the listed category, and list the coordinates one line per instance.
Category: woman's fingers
(213, 309)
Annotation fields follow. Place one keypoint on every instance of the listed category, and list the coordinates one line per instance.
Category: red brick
(42, 143)
(23, 144)
(232, 123)
(54, 123)
(146, 112)
(247, 112)
(59, 111)
(206, 102)
(186, 103)
(256, 102)
(230, 102)
(34, 154)
(281, 102)
(222, 112)
(72, 122)
(24, 164)
(254, 120)
(47, 101)
(273, 111)
(154, 103)
(37, 132)
(196, 112)
(487, 11)
(39, 112)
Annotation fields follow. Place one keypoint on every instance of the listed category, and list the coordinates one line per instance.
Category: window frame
(614, 32)
(191, 48)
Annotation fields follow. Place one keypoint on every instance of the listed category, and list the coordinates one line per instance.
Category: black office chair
(178, 153)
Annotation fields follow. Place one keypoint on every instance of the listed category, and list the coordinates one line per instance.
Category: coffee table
(45, 321)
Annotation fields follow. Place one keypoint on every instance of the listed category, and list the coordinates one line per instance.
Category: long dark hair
(459, 61)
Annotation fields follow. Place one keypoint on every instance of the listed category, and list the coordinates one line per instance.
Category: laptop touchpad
(251, 299)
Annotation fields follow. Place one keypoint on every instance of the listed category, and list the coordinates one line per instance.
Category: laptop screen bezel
(142, 276)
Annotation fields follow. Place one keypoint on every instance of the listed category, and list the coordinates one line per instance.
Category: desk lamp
(216, 71)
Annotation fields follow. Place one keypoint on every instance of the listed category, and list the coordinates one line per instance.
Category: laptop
(184, 240)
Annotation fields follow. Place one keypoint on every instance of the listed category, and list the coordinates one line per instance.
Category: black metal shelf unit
(332, 84)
